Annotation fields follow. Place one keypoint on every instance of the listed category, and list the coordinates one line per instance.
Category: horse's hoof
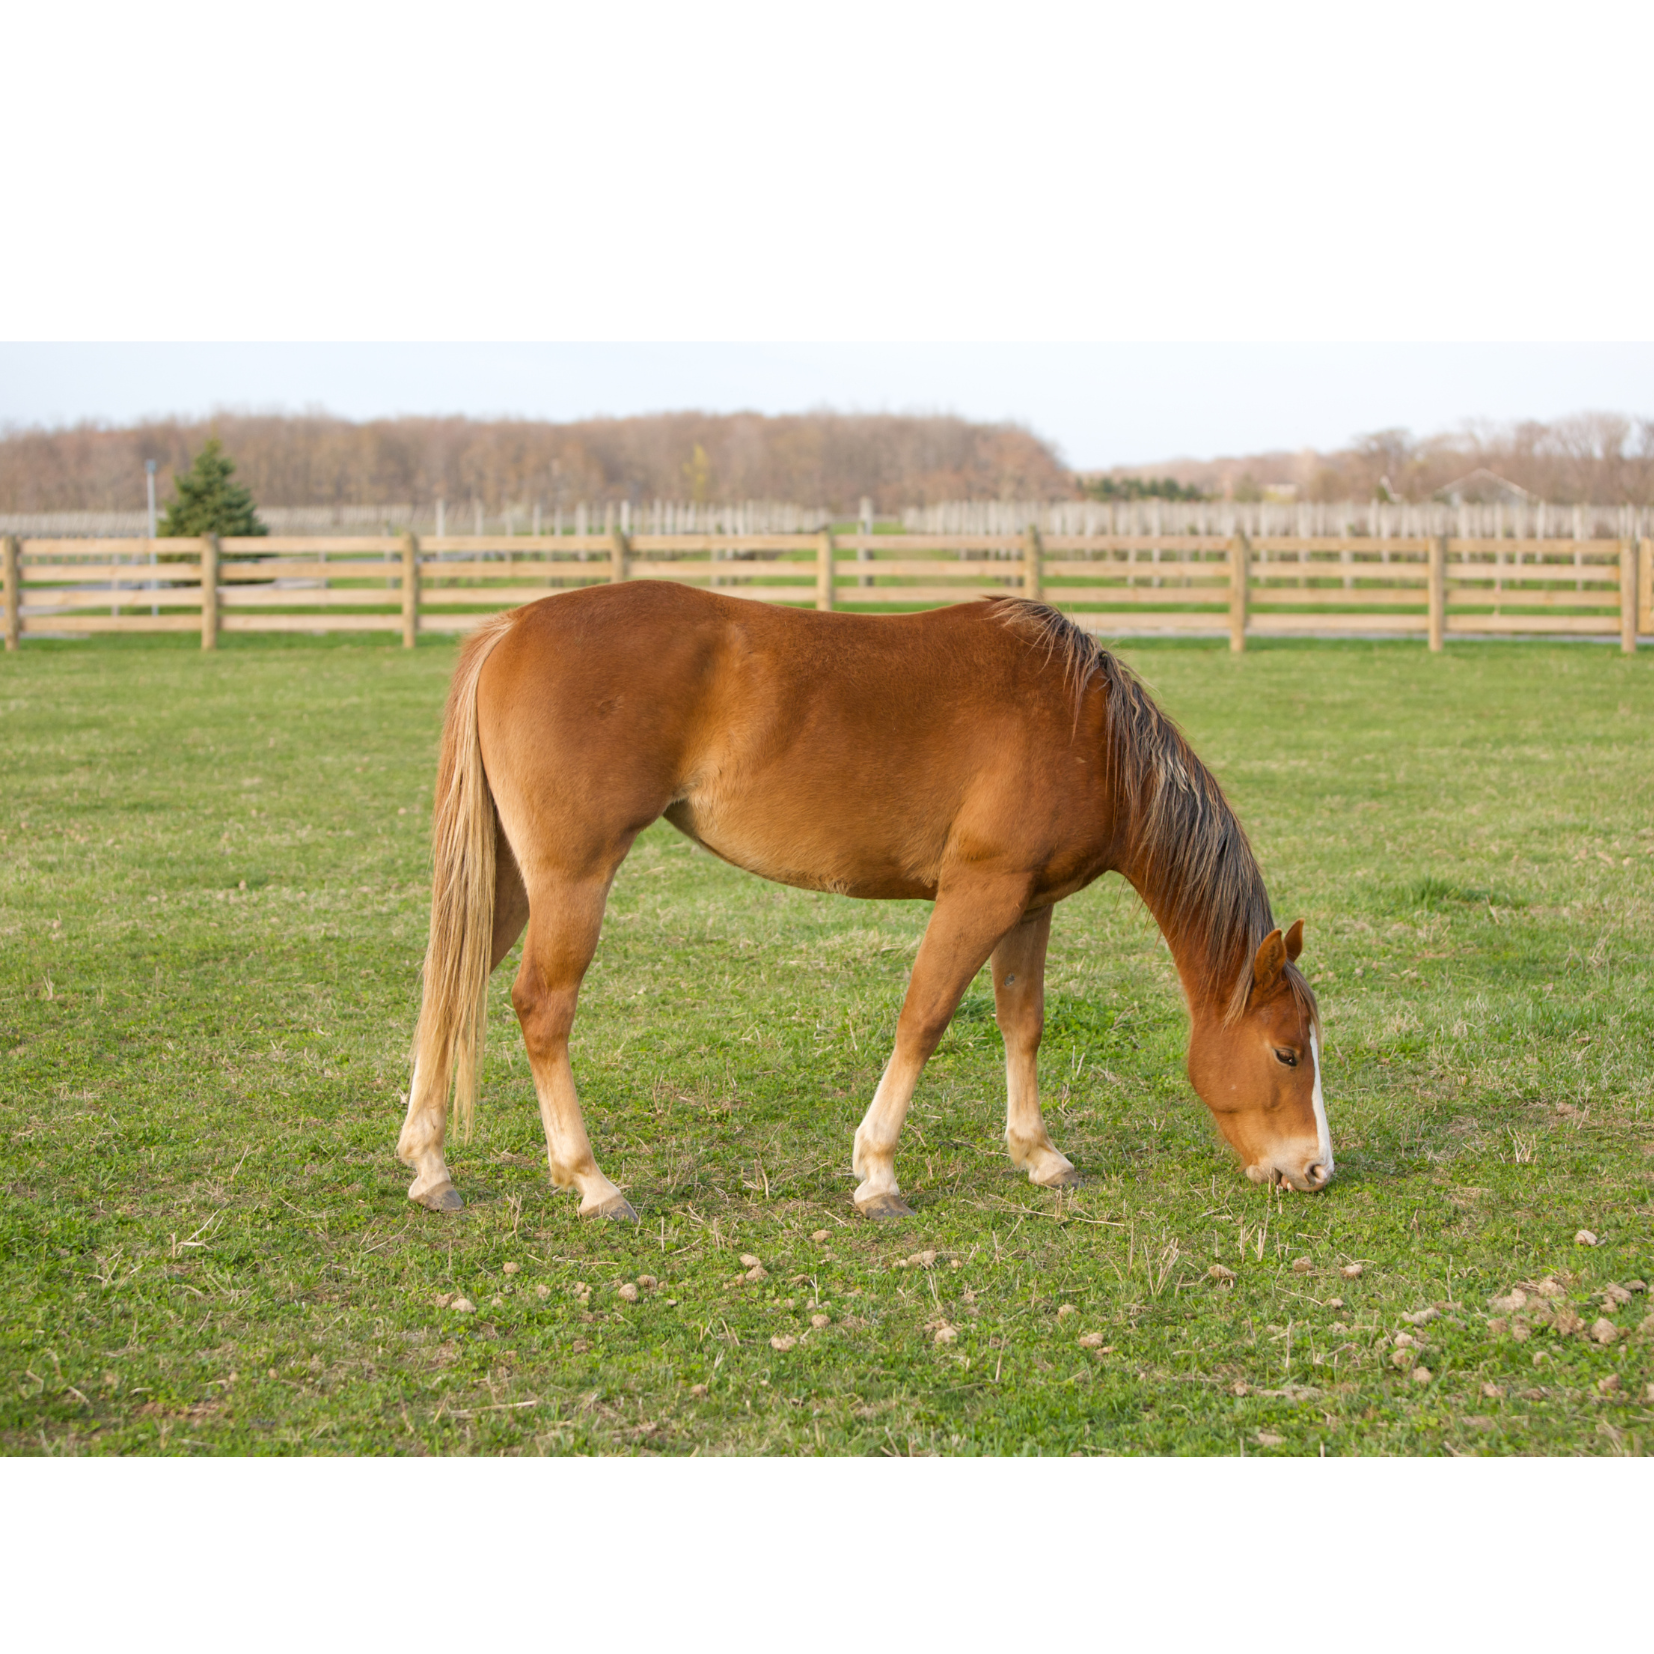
(884, 1206)
(617, 1207)
(443, 1198)
(1068, 1178)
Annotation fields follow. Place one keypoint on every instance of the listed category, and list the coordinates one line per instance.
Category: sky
(1101, 404)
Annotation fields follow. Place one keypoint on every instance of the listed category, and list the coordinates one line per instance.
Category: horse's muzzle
(1308, 1176)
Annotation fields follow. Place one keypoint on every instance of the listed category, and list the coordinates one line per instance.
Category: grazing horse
(989, 758)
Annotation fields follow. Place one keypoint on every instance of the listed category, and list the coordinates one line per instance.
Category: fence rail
(1435, 586)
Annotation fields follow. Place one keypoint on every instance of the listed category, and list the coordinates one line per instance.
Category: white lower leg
(422, 1140)
(874, 1156)
(1025, 1134)
(568, 1149)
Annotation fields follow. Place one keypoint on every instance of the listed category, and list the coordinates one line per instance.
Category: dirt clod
(821, 1235)
(1422, 1375)
(748, 1261)
(1302, 1266)
(1221, 1274)
(1608, 1385)
(945, 1334)
(542, 1290)
(757, 1273)
(511, 1268)
(1494, 1392)
(1065, 1310)
(628, 1291)
(647, 1282)
(1268, 1438)
(1584, 1237)
(698, 1391)
(463, 1306)
(1091, 1340)
(1403, 1359)
(783, 1342)
(1603, 1331)
(1351, 1271)
(820, 1321)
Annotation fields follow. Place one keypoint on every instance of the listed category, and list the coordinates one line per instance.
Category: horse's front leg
(964, 926)
(1019, 1009)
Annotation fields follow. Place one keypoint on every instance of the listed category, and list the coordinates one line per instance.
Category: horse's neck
(1203, 978)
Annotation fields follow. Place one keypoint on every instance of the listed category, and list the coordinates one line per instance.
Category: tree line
(817, 459)
(1585, 459)
(825, 459)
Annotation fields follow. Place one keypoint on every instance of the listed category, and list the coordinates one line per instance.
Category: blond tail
(453, 1014)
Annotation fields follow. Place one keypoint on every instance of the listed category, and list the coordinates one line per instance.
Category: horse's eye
(1290, 1058)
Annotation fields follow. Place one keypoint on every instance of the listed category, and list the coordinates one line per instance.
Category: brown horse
(988, 757)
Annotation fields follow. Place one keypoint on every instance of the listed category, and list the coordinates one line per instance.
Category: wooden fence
(1433, 586)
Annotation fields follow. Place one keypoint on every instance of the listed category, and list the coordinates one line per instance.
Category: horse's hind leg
(563, 925)
(1019, 1009)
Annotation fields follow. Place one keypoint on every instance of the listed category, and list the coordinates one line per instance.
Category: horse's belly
(846, 863)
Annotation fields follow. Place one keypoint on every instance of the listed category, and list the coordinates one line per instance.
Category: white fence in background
(1350, 519)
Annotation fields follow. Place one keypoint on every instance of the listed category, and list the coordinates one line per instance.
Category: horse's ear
(1270, 962)
(1295, 940)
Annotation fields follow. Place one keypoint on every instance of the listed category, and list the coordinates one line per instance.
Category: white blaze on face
(1323, 1132)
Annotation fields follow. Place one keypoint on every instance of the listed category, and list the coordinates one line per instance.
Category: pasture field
(212, 910)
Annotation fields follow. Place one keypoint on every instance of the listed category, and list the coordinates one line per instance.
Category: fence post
(1033, 555)
(1240, 580)
(620, 550)
(1628, 597)
(410, 589)
(1438, 592)
(824, 570)
(1645, 587)
(8, 574)
(864, 548)
(209, 591)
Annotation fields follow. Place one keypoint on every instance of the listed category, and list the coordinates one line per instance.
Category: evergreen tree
(205, 501)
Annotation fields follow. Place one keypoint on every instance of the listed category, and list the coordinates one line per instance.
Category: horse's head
(1260, 1072)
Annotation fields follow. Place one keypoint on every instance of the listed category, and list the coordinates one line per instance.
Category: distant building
(1482, 487)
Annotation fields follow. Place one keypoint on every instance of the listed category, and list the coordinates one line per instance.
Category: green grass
(212, 909)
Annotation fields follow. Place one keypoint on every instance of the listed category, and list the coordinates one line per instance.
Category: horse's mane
(1186, 839)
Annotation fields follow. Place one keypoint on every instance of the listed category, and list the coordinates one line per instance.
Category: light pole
(149, 478)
